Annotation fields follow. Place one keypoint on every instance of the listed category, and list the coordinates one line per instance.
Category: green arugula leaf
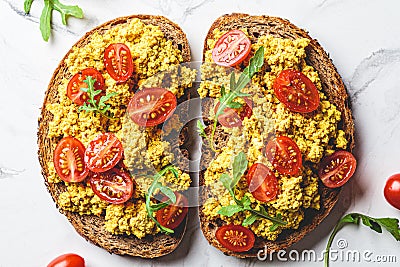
(91, 105)
(226, 181)
(230, 210)
(156, 207)
(46, 16)
(223, 92)
(27, 6)
(239, 166)
(275, 225)
(201, 129)
(167, 191)
(66, 10)
(45, 20)
(251, 219)
(227, 98)
(245, 202)
(376, 224)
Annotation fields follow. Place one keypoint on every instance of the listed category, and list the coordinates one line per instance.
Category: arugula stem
(272, 219)
(153, 208)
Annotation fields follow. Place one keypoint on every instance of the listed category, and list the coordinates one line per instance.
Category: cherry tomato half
(392, 191)
(67, 260)
(262, 182)
(172, 215)
(234, 117)
(68, 160)
(296, 91)
(118, 62)
(74, 91)
(114, 186)
(284, 154)
(151, 106)
(235, 237)
(103, 153)
(336, 169)
(231, 49)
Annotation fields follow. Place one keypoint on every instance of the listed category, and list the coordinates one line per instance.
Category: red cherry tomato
(234, 117)
(235, 237)
(74, 91)
(114, 186)
(172, 215)
(103, 153)
(231, 49)
(118, 62)
(336, 169)
(296, 91)
(67, 260)
(284, 154)
(392, 191)
(262, 182)
(151, 106)
(68, 160)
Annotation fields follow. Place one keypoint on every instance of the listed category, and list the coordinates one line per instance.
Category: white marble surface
(363, 39)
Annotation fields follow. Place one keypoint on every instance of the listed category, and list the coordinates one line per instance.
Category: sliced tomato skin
(118, 62)
(244, 242)
(69, 153)
(103, 153)
(262, 182)
(336, 169)
(284, 154)
(234, 117)
(176, 212)
(296, 91)
(392, 191)
(149, 102)
(75, 84)
(67, 260)
(231, 49)
(114, 186)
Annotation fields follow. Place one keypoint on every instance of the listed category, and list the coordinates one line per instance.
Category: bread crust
(89, 226)
(332, 86)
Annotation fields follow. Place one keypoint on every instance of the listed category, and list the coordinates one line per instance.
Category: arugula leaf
(27, 6)
(226, 181)
(227, 99)
(45, 17)
(239, 166)
(251, 219)
(66, 10)
(201, 129)
(91, 105)
(45, 20)
(376, 224)
(167, 191)
(230, 210)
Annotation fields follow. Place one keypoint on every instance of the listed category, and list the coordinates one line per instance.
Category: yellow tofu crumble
(156, 64)
(316, 136)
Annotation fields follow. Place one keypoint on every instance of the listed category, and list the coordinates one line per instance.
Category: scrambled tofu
(316, 136)
(156, 63)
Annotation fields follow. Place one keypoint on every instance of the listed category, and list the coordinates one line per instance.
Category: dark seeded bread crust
(89, 226)
(332, 86)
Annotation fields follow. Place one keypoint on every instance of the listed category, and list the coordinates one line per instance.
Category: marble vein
(180, 9)
(8, 173)
(369, 69)
(21, 13)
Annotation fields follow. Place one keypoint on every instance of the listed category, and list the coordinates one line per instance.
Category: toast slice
(91, 227)
(334, 89)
